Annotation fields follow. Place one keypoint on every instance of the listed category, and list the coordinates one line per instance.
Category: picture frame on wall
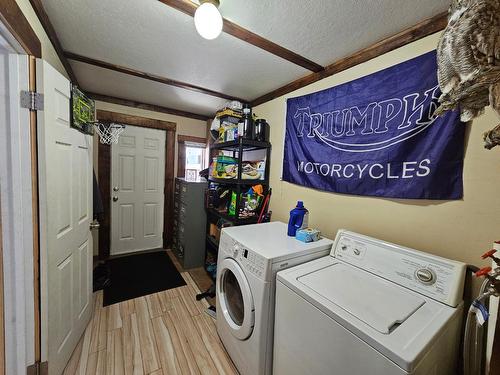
(191, 175)
(82, 111)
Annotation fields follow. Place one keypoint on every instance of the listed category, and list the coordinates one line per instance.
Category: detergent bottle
(299, 218)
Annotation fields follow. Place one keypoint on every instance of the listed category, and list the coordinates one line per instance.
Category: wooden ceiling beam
(143, 122)
(17, 24)
(149, 76)
(420, 30)
(188, 7)
(51, 33)
(146, 106)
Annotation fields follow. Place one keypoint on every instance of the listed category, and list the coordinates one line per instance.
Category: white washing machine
(249, 258)
(370, 307)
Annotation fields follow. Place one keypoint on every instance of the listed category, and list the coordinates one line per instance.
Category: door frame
(20, 251)
(104, 176)
(181, 151)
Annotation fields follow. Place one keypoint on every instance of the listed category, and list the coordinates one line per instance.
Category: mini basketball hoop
(108, 132)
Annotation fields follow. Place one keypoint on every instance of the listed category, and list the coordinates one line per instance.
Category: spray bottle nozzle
(483, 272)
(490, 254)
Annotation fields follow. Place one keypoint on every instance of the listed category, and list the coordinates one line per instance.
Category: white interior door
(137, 190)
(65, 177)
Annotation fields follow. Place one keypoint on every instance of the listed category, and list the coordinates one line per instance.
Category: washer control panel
(439, 278)
(425, 276)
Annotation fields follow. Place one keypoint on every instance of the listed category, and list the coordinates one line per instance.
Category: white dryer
(370, 307)
(249, 258)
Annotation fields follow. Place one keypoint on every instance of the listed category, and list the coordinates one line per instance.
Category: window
(192, 156)
(195, 160)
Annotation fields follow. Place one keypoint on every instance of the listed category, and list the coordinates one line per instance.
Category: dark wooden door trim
(104, 176)
(181, 151)
(168, 219)
(189, 138)
(104, 182)
(17, 24)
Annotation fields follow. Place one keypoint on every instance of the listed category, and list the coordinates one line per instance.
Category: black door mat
(138, 275)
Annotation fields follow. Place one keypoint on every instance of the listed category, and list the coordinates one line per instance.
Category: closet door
(65, 175)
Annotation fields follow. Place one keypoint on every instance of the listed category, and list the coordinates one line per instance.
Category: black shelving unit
(238, 185)
(241, 144)
(238, 148)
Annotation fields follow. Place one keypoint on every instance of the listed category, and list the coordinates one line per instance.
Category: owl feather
(468, 56)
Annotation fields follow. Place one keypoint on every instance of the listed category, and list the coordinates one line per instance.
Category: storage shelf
(249, 220)
(235, 181)
(212, 241)
(239, 186)
(246, 144)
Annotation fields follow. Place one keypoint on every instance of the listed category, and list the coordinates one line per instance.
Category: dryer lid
(377, 302)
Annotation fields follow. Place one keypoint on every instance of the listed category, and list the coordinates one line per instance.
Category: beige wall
(185, 125)
(459, 230)
(48, 52)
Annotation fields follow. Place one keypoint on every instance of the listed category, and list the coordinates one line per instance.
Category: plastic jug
(299, 218)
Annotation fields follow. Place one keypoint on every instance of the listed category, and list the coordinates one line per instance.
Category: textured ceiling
(152, 37)
(149, 36)
(108, 82)
(326, 30)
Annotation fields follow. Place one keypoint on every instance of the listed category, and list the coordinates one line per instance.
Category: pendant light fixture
(208, 20)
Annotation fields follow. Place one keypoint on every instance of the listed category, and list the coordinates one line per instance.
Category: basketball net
(108, 133)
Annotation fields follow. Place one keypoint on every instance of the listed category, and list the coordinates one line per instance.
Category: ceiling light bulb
(208, 20)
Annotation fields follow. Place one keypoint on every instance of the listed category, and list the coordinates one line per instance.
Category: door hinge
(32, 100)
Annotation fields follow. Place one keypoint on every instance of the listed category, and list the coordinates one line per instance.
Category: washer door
(235, 299)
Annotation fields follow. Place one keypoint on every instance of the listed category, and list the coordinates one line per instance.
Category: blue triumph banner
(377, 136)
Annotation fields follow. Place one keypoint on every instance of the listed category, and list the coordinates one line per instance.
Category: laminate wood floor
(161, 334)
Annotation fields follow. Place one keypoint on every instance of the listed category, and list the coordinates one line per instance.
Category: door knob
(116, 188)
(115, 198)
(94, 225)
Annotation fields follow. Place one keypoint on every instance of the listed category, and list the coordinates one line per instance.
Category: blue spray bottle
(299, 218)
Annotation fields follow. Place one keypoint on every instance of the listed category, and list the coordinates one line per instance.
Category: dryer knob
(236, 249)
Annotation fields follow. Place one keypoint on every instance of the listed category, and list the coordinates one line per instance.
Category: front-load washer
(370, 307)
(249, 258)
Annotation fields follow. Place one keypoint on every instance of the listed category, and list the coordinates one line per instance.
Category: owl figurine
(468, 55)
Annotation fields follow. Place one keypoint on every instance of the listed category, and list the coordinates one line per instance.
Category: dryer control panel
(252, 262)
(249, 260)
(438, 278)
